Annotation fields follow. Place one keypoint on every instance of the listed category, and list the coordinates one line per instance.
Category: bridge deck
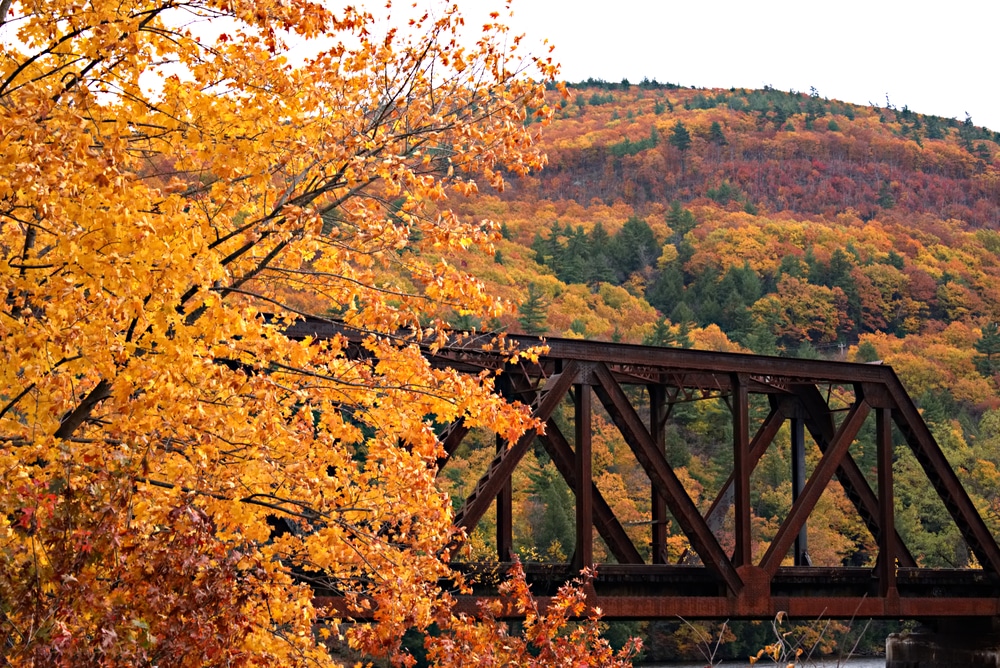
(627, 591)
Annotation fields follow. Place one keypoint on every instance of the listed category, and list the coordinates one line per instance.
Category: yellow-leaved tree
(173, 193)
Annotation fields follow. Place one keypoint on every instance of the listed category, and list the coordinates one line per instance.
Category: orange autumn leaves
(169, 457)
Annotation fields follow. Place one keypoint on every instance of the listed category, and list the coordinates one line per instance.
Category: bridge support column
(798, 484)
(584, 554)
(657, 419)
(953, 644)
(505, 514)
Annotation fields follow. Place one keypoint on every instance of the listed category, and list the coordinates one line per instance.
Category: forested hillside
(768, 222)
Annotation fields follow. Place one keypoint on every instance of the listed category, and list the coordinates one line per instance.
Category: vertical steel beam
(650, 458)
(608, 526)
(742, 466)
(818, 481)
(758, 446)
(798, 483)
(505, 514)
(504, 463)
(886, 539)
(584, 556)
(657, 416)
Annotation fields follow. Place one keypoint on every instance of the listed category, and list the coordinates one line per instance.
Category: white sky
(936, 57)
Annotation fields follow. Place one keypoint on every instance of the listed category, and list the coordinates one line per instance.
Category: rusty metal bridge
(639, 388)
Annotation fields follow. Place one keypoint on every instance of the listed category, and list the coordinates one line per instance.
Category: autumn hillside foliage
(175, 470)
(780, 223)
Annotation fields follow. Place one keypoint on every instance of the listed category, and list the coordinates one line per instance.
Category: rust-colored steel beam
(505, 514)
(663, 477)
(451, 438)
(715, 363)
(658, 505)
(608, 526)
(943, 478)
(668, 592)
(506, 461)
(886, 566)
(801, 608)
(856, 487)
(712, 368)
(818, 481)
(583, 470)
(742, 465)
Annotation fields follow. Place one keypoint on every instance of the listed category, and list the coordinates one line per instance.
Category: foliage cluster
(177, 469)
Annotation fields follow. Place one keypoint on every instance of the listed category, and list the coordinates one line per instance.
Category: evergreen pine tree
(988, 346)
(661, 335)
(680, 139)
(680, 220)
(553, 526)
(533, 311)
(715, 134)
(885, 198)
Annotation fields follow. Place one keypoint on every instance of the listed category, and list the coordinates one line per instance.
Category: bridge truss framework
(828, 400)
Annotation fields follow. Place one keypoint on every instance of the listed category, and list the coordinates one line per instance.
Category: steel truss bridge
(638, 388)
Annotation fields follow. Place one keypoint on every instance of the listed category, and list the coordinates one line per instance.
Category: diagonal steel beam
(663, 477)
(758, 446)
(607, 524)
(506, 461)
(451, 438)
(943, 477)
(855, 485)
(818, 481)
(562, 455)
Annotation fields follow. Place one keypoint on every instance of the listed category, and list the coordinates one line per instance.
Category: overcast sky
(936, 57)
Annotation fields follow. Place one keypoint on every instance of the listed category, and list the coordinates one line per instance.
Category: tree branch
(72, 422)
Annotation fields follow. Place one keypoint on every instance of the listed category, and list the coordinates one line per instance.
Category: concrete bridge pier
(953, 643)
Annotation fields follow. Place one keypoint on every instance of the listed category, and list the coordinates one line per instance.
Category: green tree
(661, 335)
(552, 513)
(667, 291)
(988, 346)
(716, 135)
(933, 125)
(680, 139)
(601, 269)
(680, 220)
(779, 117)
(634, 247)
(866, 352)
(761, 340)
(885, 198)
(533, 312)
